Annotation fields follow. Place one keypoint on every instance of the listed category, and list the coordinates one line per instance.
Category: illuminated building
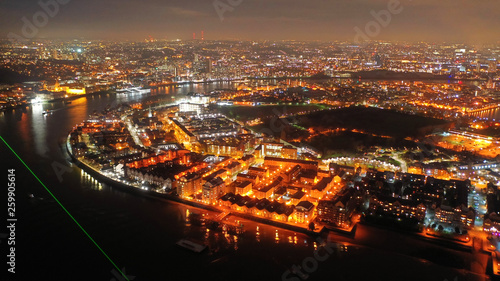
(337, 211)
(248, 177)
(224, 146)
(261, 208)
(266, 191)
(320, 189)
(298, 196)
(258, 171)
(303, 212)
(291, 173)
(492, 66)
(242, 187)
(209, 66)
(248, 160)
(492, 222)
(397, 207)
(459, 216)
(212, 190)
(182, 135)
(191, 107)
(304, 164)
(188, 185)
(278, 150)
(233, 167)
(76, 90)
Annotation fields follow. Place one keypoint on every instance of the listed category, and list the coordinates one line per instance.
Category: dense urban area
(311, 136)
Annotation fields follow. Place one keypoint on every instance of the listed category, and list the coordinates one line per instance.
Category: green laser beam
(67, 212)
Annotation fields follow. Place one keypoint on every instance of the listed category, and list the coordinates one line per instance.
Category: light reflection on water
(90, 182)
(39, 129)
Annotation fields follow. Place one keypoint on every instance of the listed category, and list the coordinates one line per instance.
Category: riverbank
(74, 97)
(195, 82)
(447, 243)
(63, 99)
(373, 75)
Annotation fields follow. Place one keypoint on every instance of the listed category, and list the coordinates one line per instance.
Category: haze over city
(463, 21)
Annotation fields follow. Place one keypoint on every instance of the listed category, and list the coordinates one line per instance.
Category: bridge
(483, 109)
(222, 216)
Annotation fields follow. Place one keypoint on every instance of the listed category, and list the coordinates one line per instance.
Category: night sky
(474, 21)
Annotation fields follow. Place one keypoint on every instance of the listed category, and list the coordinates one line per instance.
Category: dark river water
(139, 234)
